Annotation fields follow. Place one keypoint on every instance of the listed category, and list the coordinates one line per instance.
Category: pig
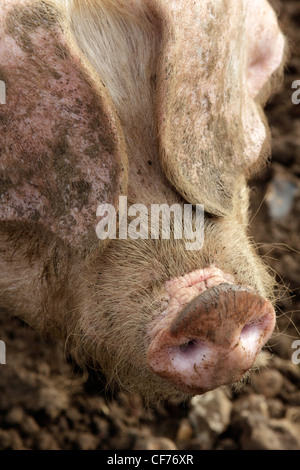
(160, 101)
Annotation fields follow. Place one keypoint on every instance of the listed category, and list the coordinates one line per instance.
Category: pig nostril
(192, 351)
(188, 346)
(253, 330)
(188, 356)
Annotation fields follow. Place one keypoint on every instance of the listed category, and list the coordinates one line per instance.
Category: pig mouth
(211, 332)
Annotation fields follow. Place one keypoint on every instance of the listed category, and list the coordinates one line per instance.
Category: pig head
(160, 101)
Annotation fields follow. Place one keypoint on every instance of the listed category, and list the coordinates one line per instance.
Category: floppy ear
(211, 130)
(267, 48)
(62, 148)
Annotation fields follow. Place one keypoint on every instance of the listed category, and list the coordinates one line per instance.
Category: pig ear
(211, 131)
(266, 48)
(199, 102)
(62, 149)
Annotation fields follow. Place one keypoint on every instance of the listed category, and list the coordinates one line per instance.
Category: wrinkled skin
(159, 100)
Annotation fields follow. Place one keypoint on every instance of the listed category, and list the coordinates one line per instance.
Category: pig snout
(213, 340)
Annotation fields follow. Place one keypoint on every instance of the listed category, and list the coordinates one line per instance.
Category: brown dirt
(43, 406)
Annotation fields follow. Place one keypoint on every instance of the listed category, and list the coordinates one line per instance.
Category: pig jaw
(212, 338)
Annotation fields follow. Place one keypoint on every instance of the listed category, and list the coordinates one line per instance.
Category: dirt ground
(44, 406)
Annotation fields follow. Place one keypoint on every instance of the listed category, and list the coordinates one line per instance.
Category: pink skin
(181, 290)
(199, 352)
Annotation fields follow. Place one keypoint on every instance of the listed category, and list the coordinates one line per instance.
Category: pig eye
(210, 216)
